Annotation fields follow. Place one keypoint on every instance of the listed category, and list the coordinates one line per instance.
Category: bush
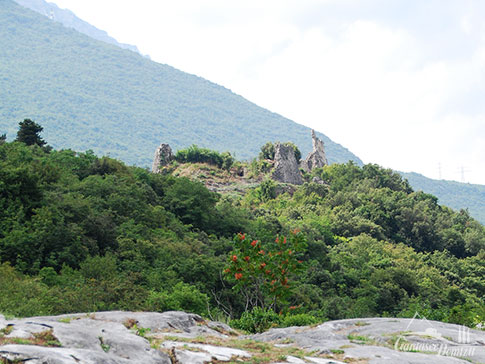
(301, 319)
(265, 273)
(183, 297)
(257, 320)
(268, 151)
(194, 154)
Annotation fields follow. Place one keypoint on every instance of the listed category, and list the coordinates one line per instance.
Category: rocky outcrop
(286, 167)
(184, 338)
(163, 156)
(387, 340)
(316, 158)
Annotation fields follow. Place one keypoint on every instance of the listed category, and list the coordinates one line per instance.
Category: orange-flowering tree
(264, 272)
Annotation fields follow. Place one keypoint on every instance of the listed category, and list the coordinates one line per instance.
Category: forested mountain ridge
(92, 95)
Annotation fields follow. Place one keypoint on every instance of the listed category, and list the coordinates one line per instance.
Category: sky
(399, 83)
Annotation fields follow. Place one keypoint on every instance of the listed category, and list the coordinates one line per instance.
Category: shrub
(301, 319)
(194, 154)
(257, 320)
(264, 272)
(183, 297)
(268, 151)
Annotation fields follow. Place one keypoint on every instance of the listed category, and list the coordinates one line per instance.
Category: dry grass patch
(262, 352)
(43, 338)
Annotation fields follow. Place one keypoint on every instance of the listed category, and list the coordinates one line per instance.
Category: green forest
(82, 233)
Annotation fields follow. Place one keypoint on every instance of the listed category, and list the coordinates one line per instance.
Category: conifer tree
(29, 133)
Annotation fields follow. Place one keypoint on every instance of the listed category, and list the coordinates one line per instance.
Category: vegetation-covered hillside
(91, 95)
(80, 233)
(454, 194)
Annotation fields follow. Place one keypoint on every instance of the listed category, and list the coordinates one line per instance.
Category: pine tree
(29, 133)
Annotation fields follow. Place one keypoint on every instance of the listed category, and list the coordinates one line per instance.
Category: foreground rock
(387, 340)
(104, 337)
(179, 337)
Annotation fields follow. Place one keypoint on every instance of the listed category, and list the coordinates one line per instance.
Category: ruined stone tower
(316, 158)
(163, 156)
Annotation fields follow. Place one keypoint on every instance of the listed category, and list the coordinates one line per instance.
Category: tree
(29, 133)
(268, 151)
(3, 138)
(263, 272)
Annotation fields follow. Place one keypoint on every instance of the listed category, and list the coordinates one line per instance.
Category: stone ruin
(286, 168)
(317, 158)
(163, 156)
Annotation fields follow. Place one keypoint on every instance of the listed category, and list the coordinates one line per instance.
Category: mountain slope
(92, 95)
(70, 20)
(453, 194)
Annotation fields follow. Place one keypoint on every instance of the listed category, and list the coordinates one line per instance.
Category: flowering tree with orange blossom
(263, 272)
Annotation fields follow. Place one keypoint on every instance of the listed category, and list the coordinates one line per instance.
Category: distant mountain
(70, 20)
(92, 95)
(453, 194)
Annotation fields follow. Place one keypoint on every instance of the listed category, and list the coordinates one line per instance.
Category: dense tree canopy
(83, 233)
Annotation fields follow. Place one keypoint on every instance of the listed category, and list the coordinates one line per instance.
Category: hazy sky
(398, 82)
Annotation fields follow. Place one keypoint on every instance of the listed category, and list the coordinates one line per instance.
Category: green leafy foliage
(257, 320)
(268, 151)
(80, 233)
(194, 154)
(263, 271)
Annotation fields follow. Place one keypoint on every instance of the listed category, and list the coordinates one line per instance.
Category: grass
(103, 345)
(360, 339)
(261, 352)
(337, 351)
(43, 338)
(6, 330)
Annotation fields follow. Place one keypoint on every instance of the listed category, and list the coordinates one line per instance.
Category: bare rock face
(163, 156)
(177, 337)
(286, 166)
(317, 158)
(413, 340)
